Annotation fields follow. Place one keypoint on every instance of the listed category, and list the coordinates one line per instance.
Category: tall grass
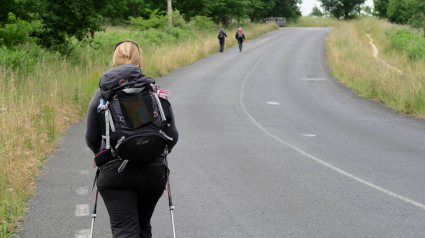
(38, 102)
(313, 22)
(351, 61)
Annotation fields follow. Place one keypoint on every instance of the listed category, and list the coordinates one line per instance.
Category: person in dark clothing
(240, 36)
(131, 195)
(221, 38)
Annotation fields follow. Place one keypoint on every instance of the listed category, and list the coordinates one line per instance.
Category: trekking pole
(170, 204)
(93, 216)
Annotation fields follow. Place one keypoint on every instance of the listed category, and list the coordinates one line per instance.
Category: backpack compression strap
(108, 122)
(157, 90)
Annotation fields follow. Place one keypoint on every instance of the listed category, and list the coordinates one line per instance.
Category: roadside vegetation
(42, 92)
(351, 60)
(310, 21)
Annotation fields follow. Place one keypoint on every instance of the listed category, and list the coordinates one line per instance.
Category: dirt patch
(376, 53)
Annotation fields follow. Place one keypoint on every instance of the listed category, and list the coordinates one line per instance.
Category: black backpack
(221, 35)
(133, 115)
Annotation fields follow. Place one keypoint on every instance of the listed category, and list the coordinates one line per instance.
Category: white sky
(307, 6)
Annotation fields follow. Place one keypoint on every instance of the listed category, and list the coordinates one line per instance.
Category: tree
(261, 9)
(416, 11)
(189, 8)
(367, 10)
(115, 9)
(342, 8)
(287, 8)
(380, 8)
(65, 19)
(397, 12)
(316, 12)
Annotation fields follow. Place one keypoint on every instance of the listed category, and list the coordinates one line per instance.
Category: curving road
(270, 146)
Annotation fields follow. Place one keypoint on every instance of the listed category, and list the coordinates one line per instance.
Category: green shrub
(22, 58)
(156, 20)
(18, 32)
(409, 42)
(202, 23)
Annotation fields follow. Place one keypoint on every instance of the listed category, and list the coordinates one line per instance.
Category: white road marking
(84, 172)
(273, 103)
(336, 169)
(82, 210)
(313, 79)
(309, 135)
(83, 190)
(82, 233)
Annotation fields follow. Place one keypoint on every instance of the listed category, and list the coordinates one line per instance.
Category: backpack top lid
(120, 77)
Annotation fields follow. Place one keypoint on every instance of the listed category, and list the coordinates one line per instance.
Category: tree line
(410, 12)
(52, 23)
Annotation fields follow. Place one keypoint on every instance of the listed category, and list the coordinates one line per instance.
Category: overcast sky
(308, 5)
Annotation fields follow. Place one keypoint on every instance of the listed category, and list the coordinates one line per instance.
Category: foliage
(380, 8)
(314, 22)
(287, 8)
(367, 10)
(409, 42)
(156, 20)
(416, 9)
(60, 20)
(17, 32)
(396, 11)
(80, 20)
(342, 8)
(203, 23)
(68, 20)
(316, 12)
(410, 12)
(400, 85)
(22, 59)
(115, 9)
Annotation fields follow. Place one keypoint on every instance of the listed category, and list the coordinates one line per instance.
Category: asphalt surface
(270, 146)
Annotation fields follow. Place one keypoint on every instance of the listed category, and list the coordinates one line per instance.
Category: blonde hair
(127, 53)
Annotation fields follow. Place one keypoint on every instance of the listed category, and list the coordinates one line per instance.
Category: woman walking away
(240, 36)
(221, 38)
(130, 129)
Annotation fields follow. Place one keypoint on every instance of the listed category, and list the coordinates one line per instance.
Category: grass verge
(314, 22)
(351, 61)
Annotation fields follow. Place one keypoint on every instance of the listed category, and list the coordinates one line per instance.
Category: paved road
(270, 146)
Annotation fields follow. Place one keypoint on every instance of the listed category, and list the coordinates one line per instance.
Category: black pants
(240, 41)
(221, 46)
(130, 198)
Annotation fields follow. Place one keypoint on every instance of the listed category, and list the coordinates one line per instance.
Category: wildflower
(19, 46)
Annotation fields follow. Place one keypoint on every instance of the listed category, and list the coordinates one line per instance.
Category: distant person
(221, 38)
(240, 36)
(132, 172)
